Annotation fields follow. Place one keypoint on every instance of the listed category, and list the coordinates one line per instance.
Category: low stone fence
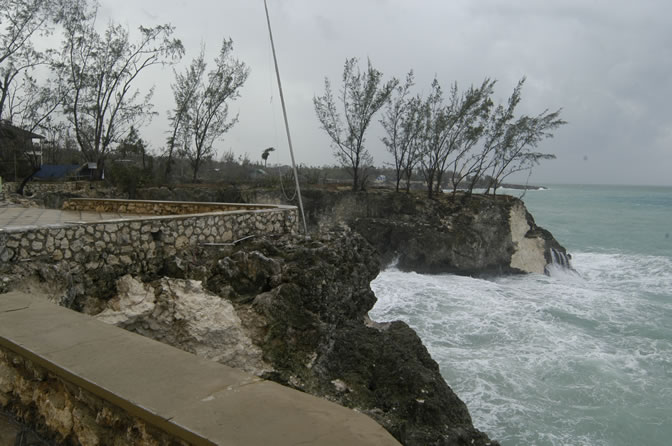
(151, 207)
(138, 242)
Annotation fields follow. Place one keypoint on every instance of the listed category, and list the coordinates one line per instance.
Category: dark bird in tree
(264, 155)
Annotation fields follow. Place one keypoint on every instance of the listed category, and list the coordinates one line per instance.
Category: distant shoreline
(522, 187)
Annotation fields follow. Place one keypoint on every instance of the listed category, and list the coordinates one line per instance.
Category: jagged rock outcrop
(473, 235)
(478, 235)
(304, 305)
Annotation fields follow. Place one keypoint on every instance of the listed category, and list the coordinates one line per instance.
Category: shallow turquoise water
(571, 359)
(625, 219)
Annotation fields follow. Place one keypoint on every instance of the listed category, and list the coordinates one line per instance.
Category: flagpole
(284, 113)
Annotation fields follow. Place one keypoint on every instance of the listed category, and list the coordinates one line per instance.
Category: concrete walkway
(200, 401)
(14, 217)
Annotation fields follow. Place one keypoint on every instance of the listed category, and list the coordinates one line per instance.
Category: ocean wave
(557, 360)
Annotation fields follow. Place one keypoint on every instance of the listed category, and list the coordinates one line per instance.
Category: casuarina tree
(101, 71)
(201, 114)
(361, 96)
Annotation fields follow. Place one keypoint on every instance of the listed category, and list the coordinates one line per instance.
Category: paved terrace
(15, 217)
(189, 398)
(91, 210)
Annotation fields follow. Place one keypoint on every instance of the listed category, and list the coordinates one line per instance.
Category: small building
(20, 151)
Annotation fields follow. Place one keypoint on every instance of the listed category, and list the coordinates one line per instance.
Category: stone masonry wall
(147, 207)
(136, 243)
(66, 413)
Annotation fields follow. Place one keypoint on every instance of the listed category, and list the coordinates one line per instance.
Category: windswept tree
(402, 121)
(465, 116)
(30, 96)
(517, 138)
(201, 113)
(184, 88)
(472, 111)
(451, 128)
(509, 142)
(266, 153)
(101, 71)
(361, 96)
(434, 135)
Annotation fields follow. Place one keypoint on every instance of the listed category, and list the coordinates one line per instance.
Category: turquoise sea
(579, 358)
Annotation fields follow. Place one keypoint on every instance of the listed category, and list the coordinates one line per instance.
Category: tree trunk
(25, 181)
(194, 178)
(100, 169)
(430, 184)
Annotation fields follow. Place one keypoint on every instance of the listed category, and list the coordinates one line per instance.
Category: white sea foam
(575, 358)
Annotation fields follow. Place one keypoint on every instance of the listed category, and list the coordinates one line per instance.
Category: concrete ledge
(191, 399)
(152, 207)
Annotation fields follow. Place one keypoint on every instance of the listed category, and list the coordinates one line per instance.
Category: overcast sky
(607, 64)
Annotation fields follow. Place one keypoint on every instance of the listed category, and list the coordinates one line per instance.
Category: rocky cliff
(296, 311)
(289, 309)
(472, 235)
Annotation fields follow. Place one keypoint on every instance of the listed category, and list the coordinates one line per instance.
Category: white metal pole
(284, 113)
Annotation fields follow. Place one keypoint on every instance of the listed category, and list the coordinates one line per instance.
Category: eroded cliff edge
(289, 309)
(295, 310)
(462, 234)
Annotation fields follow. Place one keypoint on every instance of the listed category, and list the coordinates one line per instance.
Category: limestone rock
(472, 236)
(529, 251)
(181, 313)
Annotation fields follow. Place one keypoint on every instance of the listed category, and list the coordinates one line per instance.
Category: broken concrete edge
(129, 407)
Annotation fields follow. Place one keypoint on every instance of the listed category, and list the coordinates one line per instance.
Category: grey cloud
(607, 64)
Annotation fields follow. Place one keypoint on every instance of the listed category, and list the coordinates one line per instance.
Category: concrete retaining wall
(85, 382)
(65, 412)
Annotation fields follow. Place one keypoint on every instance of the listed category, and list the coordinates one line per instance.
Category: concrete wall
(136, 242)
(89, 383)
(66, 412)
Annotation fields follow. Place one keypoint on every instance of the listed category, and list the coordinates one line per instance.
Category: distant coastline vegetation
(80, 100)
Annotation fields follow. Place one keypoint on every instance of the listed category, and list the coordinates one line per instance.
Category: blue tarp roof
(54, 171)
